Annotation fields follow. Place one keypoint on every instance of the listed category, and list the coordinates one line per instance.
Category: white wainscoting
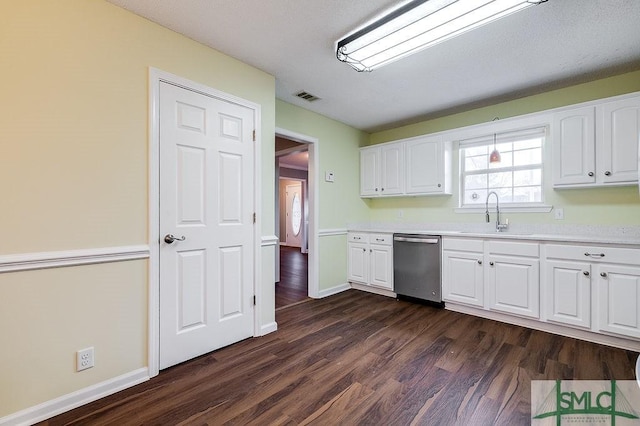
(57, 259)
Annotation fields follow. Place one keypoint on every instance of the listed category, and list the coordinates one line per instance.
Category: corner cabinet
(370, 261)
(597, 145)
(411, 167)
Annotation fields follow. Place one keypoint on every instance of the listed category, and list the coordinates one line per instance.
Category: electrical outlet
(558, 214)
(84, 359)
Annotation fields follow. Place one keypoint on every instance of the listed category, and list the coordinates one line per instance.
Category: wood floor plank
(360, 358)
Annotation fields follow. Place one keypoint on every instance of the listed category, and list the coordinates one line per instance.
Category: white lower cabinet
(462, 271)
(370, 259)
(619, 299)
(568, 295)
(513, 277)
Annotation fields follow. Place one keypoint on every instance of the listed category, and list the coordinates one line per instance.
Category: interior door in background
(294, 214)
(206, 204)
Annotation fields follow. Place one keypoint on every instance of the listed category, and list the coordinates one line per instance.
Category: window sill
(538, 208)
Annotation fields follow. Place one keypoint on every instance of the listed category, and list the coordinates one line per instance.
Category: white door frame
(155, 77)
(313, 173)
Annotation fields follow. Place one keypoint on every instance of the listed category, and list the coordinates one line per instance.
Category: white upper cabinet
(428, 166)
(574, 149)
(370, 172)
(620, 139)
(416, 166)
(381, 170)
(597, 145)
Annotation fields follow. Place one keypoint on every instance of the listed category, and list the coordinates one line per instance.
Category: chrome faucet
(499, 226)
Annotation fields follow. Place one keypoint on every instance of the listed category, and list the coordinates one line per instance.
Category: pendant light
(494, 157)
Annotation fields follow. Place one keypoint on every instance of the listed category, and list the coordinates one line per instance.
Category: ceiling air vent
(307, 96)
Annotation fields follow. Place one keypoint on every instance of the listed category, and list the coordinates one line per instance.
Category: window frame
(512, 135)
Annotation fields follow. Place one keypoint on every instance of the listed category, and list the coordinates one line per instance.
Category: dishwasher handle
(417, 240)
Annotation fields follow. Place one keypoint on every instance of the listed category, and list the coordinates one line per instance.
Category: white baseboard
(372, 289)
(333, 290)
(75, 399)
(268, 328)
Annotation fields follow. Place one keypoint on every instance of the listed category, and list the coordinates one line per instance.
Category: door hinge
(254, 300)
(254, 135)
(254, 218)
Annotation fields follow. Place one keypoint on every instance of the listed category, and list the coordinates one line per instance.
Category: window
(517, 178)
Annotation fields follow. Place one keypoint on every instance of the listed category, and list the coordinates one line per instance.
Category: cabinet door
(425, 166)
(369, 172)
(618, 157)
(358, 263)
(392, 177)
(619, 299)
(462, 277)
(568, 295)
(514, 285)
(573, 143)
(381, 260)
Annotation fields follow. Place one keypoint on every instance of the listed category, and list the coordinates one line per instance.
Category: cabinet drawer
(357, 237)
(594, 253)
(462, 244)
(381, 239)
(512, 248)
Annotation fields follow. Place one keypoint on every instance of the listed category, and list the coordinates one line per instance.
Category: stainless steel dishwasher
(416, 267)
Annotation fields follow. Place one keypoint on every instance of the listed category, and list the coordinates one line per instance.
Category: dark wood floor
(358, 358)
(294, 277)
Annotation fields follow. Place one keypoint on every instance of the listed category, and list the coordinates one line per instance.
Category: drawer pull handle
(603, 274)
(357, 238)
(379, 239)
(594, 254)
(586, 273)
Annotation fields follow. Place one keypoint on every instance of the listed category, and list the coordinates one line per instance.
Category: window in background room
(517, 178)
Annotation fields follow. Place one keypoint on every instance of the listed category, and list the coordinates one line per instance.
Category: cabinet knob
(586, 273)
(479, 262)
(491, 263)
(590, 174)
(603, 274)
(364, 249)
(607, 173)
(439, 185)
(382, 189)
(376, 189)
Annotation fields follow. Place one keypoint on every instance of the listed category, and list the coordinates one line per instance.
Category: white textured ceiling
(556, 44)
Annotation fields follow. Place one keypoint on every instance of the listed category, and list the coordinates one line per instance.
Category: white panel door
(358, 263)
(462, 277)
(425, 166)
(370, 171)
(574, 157)
(293, 213)
(206, 201)
(514, 285)
(568, 295)
(381, 259)
(392, 181)
(619, 299)
(620, 139)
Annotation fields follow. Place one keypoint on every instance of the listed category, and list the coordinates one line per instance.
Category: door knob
(169, 238)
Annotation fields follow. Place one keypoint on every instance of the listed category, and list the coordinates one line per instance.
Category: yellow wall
(339, 202)
(610, 206)
(73, 173)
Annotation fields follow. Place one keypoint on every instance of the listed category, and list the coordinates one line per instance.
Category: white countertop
(584, 234)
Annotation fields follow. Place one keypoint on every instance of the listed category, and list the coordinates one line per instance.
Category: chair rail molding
(66, 258)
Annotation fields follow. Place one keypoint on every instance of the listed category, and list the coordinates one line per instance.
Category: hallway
(294, 273)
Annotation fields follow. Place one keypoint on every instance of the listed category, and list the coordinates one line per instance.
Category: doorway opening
(292, 222)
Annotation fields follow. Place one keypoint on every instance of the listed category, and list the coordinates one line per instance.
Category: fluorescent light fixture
(418, 25)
